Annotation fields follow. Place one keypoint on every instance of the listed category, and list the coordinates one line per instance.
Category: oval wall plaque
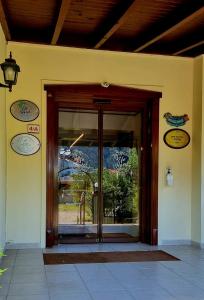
(176, 138)
(25, 144)
(24, 110)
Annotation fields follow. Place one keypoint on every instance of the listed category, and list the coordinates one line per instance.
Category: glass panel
(121, 144)
(77, 176)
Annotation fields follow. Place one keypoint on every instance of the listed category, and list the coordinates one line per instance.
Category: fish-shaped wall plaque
(176, 121)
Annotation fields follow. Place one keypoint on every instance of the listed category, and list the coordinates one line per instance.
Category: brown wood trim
(61, 92)
(183, 22)
(148, 103)
(143, 220)
(117, 24)
(154, 171)
(52, 209)
(149, 173)
(120, 107)
(60, 21)
(4, 22)
(100, 174)
(189, 48)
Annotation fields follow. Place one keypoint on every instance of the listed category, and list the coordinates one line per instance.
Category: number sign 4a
(33, 128)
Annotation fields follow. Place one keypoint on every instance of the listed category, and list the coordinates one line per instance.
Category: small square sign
(33, 128)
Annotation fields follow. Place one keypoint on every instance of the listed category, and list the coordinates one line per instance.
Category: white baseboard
(22, 245)
(197, 244)
(161, 243)
(175, 242)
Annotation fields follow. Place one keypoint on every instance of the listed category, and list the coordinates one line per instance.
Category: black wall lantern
(10, 70)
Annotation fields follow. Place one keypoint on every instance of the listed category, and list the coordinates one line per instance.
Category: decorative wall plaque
(176, 138)
(24, 110)
(176, 121)
(25, 144)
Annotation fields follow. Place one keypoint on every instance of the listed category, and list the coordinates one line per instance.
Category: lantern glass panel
(10, 75)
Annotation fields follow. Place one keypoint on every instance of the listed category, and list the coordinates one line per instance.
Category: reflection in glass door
(77, 176)
(121, 141)
(98, 176)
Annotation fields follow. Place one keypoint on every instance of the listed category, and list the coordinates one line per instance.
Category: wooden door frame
(78, 96)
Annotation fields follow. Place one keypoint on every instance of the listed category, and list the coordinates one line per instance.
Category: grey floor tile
(7, 262)
(28, 278)
(196, 282)
(151, 294)
(120, 267)
(27, 289)
(6, 276)
(146, 265)
(130, 279)
(98, 278)
(187, 298)
(4, 289)
(30, 251)
(77, 249)
(28, 257)
(92, 271)
(21, 269)
(37, 261)
(60, 268)
(83, 295)
(113, 295)
(132, 283)
(101, 248)
(34, 297)
(63, 277)
(173, 284)
(11, 251)
(157, 274)
(189, 291)
(101, 284)
(68, 287)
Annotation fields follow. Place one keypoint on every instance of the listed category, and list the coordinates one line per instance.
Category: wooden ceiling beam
(196, 14)
(4, 22)
(189, 48)
(114, 27)
(65, 5)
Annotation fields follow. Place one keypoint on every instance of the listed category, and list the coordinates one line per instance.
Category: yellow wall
(2, 148)
(197, 150)
(202, 161)
(45, 64)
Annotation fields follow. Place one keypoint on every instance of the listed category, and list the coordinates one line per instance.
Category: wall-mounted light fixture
(10, 70)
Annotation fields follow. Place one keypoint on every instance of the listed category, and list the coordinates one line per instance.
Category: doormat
(106, 257)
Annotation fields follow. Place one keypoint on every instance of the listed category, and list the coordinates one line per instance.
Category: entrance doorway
(98, 176)
(102, 164)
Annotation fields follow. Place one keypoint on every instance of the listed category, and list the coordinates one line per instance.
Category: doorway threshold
(84, 248)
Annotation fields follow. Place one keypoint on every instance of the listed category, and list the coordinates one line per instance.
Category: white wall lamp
(10, 71)
(169, 177)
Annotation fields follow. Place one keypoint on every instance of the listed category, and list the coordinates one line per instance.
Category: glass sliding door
(98, 176)
(120, 184)
(77, 176)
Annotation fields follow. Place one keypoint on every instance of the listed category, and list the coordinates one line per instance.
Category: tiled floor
(28, 279)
